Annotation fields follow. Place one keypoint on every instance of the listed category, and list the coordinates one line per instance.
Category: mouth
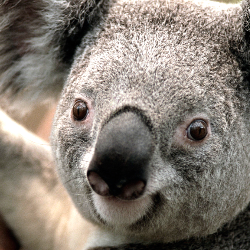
(115, 211)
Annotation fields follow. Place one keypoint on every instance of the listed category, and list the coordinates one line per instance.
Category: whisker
(72, 179)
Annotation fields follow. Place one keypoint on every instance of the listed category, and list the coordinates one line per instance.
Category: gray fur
(169, 62)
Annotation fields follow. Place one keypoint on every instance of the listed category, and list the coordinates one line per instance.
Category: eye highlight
(80, 110)
(197, 130)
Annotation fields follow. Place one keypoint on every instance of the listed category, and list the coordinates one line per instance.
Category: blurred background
(40, 120)
(228, 1)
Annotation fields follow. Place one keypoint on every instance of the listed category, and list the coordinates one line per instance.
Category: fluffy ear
(38, 40)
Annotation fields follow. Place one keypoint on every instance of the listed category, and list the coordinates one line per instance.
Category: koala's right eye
(80, 110)
(197, 130)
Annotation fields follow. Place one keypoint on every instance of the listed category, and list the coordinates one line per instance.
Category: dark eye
(197, 130)
(80, 110)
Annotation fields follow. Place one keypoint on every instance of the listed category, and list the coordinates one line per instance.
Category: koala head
(151, 132)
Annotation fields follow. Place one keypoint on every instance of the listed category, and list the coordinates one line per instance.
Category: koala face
(150, 133)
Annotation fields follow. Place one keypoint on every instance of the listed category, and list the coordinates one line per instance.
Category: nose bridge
(125, 139)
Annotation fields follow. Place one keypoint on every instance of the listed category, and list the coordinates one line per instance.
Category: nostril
(132, 190)
(98, 184)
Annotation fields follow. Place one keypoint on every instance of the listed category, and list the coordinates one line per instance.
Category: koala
(150, 145)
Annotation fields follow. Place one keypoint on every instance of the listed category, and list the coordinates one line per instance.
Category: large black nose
(120, 163)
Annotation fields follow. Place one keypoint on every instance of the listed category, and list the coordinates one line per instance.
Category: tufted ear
(38, 40)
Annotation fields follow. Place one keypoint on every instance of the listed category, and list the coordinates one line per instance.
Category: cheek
(84, 164)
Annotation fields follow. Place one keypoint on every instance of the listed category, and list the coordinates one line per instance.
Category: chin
(117, 212)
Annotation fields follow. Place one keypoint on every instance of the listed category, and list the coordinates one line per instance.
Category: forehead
(160, 52)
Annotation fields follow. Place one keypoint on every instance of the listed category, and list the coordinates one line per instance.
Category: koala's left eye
(197, 130)
(80, 110)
